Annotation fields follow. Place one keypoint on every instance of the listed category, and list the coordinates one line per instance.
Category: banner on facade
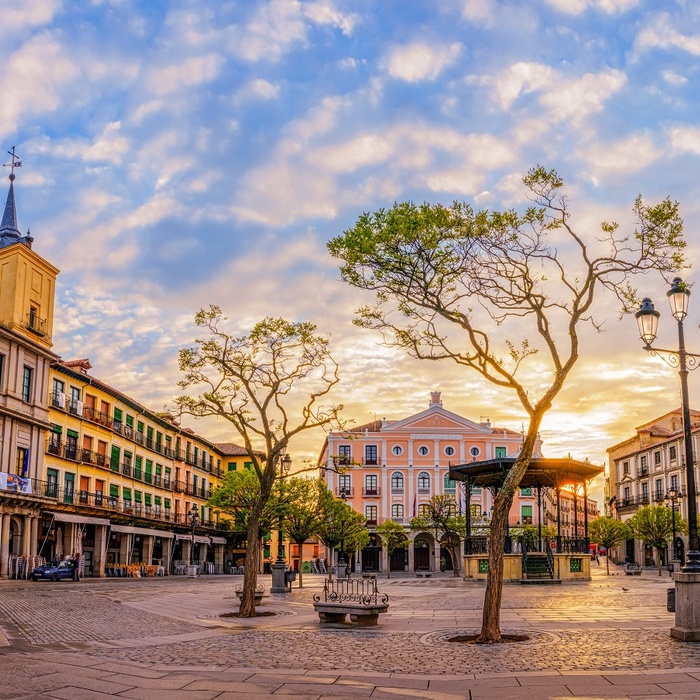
(12, 482)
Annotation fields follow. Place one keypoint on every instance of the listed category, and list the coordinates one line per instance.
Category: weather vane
(16, 163)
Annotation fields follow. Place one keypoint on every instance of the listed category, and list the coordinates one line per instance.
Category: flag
(414, 505)
(25, 464)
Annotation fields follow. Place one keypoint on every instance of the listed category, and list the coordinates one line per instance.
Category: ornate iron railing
(352, 590)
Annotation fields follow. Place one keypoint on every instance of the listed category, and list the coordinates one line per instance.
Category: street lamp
(341, 559)
(279, 568)
(687, 627)
(193, 517)
(672, 496)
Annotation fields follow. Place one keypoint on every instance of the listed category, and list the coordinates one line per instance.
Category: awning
(142, 531)
(197, 538)
(218, 540)
(84, 520)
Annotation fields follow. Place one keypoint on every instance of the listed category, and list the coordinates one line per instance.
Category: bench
(423, 572)
(358, 598)
(369, 574)
(633, 570)
(259, 592)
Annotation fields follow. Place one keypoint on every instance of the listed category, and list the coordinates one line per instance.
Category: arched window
(449, 451)
(397, 450)
(423, 450)
(397, 512)
(424, 510)
(397, 482)
(424, 482)
(474, 451)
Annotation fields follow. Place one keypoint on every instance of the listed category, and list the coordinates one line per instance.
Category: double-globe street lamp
(673, 495)
(341, 559)
(687, 626)
(193, 518)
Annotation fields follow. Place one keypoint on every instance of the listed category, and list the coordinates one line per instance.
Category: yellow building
(84, 468)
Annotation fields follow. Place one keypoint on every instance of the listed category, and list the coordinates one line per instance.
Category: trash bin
(290, 577)
(671, 600)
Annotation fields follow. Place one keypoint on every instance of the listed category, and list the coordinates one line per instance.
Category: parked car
(55, 571)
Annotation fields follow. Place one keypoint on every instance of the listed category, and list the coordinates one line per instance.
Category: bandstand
(548, 559)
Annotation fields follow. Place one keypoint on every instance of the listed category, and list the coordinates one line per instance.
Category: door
(398, 560)
(421, 556)
(370, 559)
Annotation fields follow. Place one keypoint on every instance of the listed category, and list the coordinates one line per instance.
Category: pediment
(436, 420)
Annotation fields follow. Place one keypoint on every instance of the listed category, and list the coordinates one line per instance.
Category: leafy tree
(609, 533)
(393, 537)
(305, 510)
(489, 290)
(529, 535)
(440, 515)
(342, 528)
(653, 525)
(268, 385)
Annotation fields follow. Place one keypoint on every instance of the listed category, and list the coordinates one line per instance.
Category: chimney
(435, 399)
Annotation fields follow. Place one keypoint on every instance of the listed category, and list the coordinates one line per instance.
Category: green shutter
(126, 493)
(147, 498)
(167, 504)
(139, 427)
(117, 415)
(56, 429)
(232, 466)
(157, 500)
(72, 433)
(137, 496)
(130, 421)
(113, 491)
(114, 462)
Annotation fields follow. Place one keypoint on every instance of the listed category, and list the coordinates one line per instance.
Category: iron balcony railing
(36, 324)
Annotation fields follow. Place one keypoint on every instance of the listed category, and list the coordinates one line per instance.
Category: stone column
(411, 554)
(5, 545)
(385, 560)
(167, 554)
(147, 551)
(186, 550)
(99, 554)
(687, 627)
(203, 553)
(125, 549)
(34, 534)
(219, 558)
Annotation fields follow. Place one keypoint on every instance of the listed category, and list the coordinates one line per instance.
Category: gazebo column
(576, 510)
(559, 548)
(539, 518)
(585, 511)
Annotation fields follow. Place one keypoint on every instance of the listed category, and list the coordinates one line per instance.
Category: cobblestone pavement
(608, 638)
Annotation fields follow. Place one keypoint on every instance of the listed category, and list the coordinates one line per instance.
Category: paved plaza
(174, 638)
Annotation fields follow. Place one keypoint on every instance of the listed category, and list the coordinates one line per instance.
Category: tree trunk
(455, 563)
(607, 562)
(250, 576)
(491, 623)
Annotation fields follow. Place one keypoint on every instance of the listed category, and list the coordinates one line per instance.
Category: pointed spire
(9, 233)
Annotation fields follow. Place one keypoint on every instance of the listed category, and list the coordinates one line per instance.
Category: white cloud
(673, 78)
(420, 61)
(624, 157)
(522, 78)
(576, 7)
(33, 78)
(17, 16)
(685, 139)
(662, 35)
(189, 73)
(478, 10)
(324, 12)
(258, 89)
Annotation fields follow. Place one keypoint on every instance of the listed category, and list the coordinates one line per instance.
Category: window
(474, 451)
(659, 490)
(27, 376)
(371, 488)
(674, 482)
(643, 462)
(397, 482)
(114, 461)
(54, 446)
(68, 487)
(74, 405)
(397, 450)
(58, 396)
(424, 510)
(500, 453)
(423, 450)
(424, 483)
(344, 484)
(526, 491)
(370, 454)
(2, 367)
(449, 484)
(657, 458)
(645, 491)
(52, 483)
(344, 454)
(371, 515)
(625, 468)
(231, 466)
(449, 451)
(22, 464)
(526, 515)
(117, 418)
(672, 453)
(397, 512)
(627, 493)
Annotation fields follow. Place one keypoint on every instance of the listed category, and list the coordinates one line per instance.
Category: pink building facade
(389, 469)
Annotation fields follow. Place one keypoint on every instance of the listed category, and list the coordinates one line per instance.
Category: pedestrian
(597, 557)
(76, 566)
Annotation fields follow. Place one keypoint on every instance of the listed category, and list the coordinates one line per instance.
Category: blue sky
(182, 153)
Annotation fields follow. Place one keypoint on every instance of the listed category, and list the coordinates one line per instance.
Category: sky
(185, 153)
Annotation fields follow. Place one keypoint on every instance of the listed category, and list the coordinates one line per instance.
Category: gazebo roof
(542, 471)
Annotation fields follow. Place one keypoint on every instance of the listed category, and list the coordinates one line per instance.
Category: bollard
(671, 600)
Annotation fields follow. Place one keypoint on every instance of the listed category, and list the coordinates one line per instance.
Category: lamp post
(687, 626)
(672, 496)
(341, 559)
(279, 568)
(193, 517)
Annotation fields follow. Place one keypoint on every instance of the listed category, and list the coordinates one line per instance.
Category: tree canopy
(393, 537)
(609, 533)
(269, 386)
(489, 290)
(653, 525)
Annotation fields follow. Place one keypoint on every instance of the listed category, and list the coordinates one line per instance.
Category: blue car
(55, 571)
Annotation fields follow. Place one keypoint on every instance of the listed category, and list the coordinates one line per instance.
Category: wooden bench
(259, 592)
(358, 598)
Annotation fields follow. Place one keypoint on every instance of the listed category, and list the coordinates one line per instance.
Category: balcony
(371, 522)
(347, 491)
(371, 491)
(36, 325)
(397, 491)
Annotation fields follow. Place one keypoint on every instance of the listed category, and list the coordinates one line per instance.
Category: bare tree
(450, 281)
(268, 385)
